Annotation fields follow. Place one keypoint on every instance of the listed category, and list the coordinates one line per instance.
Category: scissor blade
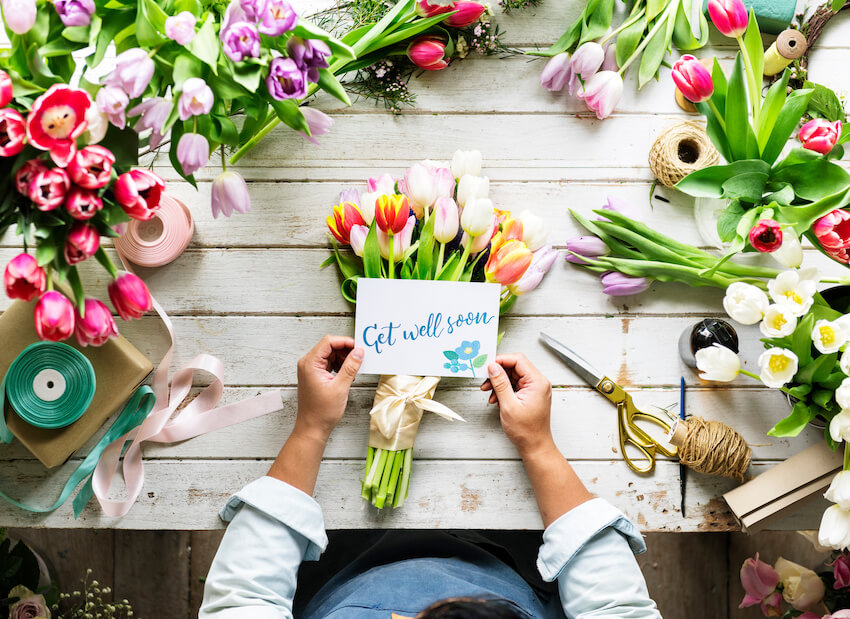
(581, 367)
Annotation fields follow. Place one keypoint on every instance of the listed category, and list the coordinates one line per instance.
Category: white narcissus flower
(717, 363)
(470, 187)
(778, 322)
(466, 162)
(794, 290)
(828, 336)
(745, 303)
(802, 588)
(777, 367)
(842, 395)
(790, 253)
(534, 230)
(835, 528)
(839, 426)
(839, 490)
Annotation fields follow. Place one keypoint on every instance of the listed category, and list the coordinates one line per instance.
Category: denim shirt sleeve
(273, 528)
(590, 552)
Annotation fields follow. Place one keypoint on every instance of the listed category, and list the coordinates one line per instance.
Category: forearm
(298, 461)
(556, 486)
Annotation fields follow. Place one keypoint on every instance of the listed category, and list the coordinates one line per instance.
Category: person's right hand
(524, 396)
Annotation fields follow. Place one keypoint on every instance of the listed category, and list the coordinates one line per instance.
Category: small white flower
(777, 367)
(790, 253)
(466, 162)
(839, 490)
(842, 396)
(835, 528)
(794, 290)
(778, 322)
(717, 363)
(471, 187)
(828, 337)
(845, 362)
(839, 426)
(745, 303)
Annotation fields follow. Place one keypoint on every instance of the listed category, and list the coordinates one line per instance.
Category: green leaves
(814, 180)
(372, 253)
(711, 182)
(593, 23)
(771, 107)
(742, 142)
(824, 103)
(789, 117)
(150, 21)
(289, 112)
(205, 46)
(794, 423)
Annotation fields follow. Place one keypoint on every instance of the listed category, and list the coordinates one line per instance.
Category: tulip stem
(441, 256)
(392, 257)
(463, 258)
(223, 159)
(49, 277)
(661, 21)
(846, 456)
(623, 26)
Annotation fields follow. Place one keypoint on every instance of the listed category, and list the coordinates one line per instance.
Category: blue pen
(683, 470)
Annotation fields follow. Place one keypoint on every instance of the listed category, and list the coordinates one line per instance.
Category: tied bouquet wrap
(437, 222)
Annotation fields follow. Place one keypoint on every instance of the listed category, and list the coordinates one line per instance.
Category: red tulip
(391, 213)
(138, 192)
(91, 167)
(5, 89)
(12, 132)
(467, 13)
(345, 216)
(57, 119)
(54, 317)
(25, 174)
(23, 278)
(692, 79)
(82, 204)
(428, 53)
(130, 296)
(820, 135)
(97, 326)
(48, 188)
(82, 242)
(833, 230)
(424, 9)
(766, 235)
(730, 17)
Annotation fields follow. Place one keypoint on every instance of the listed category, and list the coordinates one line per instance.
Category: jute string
(679, 150)
(714, 448)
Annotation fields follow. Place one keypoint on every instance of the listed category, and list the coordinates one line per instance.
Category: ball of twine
(714, 448)
(681, 149)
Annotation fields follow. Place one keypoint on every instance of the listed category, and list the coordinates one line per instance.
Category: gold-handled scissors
(630, 433)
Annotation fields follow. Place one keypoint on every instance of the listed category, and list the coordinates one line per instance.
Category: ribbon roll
(160, 240)
(49, 385)
(789, 45)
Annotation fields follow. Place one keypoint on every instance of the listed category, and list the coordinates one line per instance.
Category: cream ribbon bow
(399, 404)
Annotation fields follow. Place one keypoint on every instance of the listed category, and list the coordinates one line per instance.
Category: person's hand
(524, 396)
(325, 375)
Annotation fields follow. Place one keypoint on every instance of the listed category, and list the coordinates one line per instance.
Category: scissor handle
(630, 434)
(659, 421)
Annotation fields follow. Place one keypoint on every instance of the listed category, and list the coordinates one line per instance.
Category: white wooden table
(250, 291)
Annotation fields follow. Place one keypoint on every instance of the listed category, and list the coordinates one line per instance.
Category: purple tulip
(319, 123)
(196, 98)
(557, 72)
(181, 27)
(193, 152)
(19, 15)
(309, 55)
(75, 12)
(587, 59)
(240, 40)
(254, 9)
(618, 285)
(154, 112)
(285, 80)
(113, 101)
(615, 203)
(133, 72)
(278, 18)
(587, 246)
(349, 195)
(543, 260)
(229, 194)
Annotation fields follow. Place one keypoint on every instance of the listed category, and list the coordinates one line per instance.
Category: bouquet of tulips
(63, 197)
(435, 223)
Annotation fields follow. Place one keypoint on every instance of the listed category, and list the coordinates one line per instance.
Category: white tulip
(367, 205)
(794, 290)
(745, 303)
(777, 367)
(842, 395)
(778, 322)
(828, 336)
(98, 123)
(534, 230)
(845, 362)
(421, 188)
(835, 528)
(839, 427)
(466, 162)
(435, 164)
(477, 217)
(839, 490)
(790, 253)
(470, 187)
(717, 363)
(801, 587)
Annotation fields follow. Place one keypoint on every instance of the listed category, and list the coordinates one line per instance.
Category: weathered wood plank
(204, 545)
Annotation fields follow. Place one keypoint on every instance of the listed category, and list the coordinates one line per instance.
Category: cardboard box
(779, 491)
(119, 369)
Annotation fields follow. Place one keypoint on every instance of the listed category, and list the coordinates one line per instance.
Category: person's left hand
(325, 375)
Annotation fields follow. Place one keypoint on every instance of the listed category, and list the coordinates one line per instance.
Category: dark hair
(472, 608)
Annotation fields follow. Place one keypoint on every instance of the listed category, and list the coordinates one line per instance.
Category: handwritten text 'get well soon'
(378, 336)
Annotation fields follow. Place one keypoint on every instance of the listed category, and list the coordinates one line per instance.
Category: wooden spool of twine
(681, 149)
(712, 447)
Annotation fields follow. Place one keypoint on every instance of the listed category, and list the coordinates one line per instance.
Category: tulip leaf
(404, 33)
(794, 423)
(814, 180)
(688, 36)
(118, 20)
(801, 340)
(349, 289)
(628, 40)
(330, 84)
(341, 50)
(598, 20)
(824, 103)
(727, 224)
(372, 253)
(205, 45)
(738, 129)
(771, 107)
(77, 289)
(247, 75)
(448, 270)
(45, 252)
(755, 51)
(819, 369)
(289, 112)
(708, 182)
(150, 20)
(748, 187)
(377, 30)
(654, 52)
(792, 111)
(782, 194)
(821, 397)
(802, 217)
(833, 381)
(425, 255)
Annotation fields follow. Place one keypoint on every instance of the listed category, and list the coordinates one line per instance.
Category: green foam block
(773, 16)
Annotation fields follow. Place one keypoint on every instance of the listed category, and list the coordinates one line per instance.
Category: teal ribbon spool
(22, 390)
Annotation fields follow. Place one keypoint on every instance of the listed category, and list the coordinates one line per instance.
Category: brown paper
(786, 487)
(119, 369)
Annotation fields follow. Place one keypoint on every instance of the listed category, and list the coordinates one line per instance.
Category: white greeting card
(426, 328)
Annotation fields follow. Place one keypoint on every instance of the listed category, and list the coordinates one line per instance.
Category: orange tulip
(511, 230)
(345, 216)
(391, 213)
(508, 262)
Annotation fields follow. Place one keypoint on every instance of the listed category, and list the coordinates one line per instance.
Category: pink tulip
(91, 167)
(444, 181)
(82, 242)
(557, 73)
(138, 192)
(401, 240)
(446, 220)
(467, 13)
(113, 102)
(692, 79)
(766, 236)
(319, 123)
(811, 615)
(193, 152)
(196, 98)
(13, 132)
(23, 278)
(54, 317)
(428, 52)
(844, 613)
(181, 27)
(482, 241)
(154, 112)
(229, 195)
(357, 237)
(820, 135)
(729, 16)
(133, 71)
(82, 204)
(841, 571)
(97, 326)
(542, 261)
(587, 59)
(25, 174)
(130, 296)
(610, 62)
(602, 93)
(424, 9)
(48, 188)
(833, 230)
(5, 89)
(19, 15)
(771, 606)
(759, 581)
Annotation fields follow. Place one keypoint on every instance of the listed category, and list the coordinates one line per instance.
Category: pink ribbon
(157, 241)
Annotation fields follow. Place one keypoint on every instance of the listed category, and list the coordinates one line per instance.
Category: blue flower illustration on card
(468, 352)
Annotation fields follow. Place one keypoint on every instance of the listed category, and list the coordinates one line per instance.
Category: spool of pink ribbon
(158, 241)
